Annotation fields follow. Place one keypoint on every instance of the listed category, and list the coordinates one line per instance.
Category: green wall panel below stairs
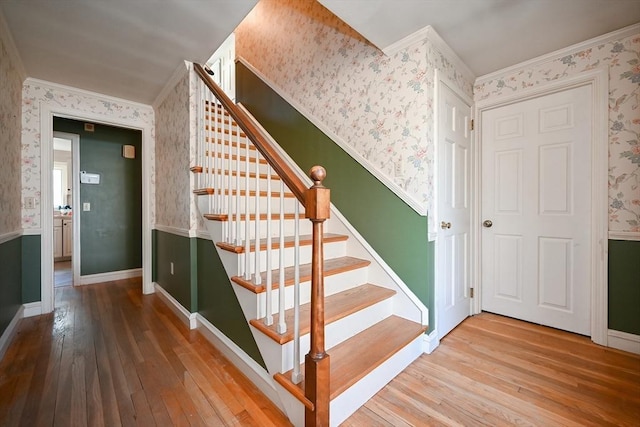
(390, 226)
(170, 248)
(624, 286)
(10, 281)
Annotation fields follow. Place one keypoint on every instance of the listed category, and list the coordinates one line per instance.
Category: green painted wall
(111, 233)
(31, 269)
(10, 281)
(624, 286)
(391, 227)
(170, 248)
(218, 303)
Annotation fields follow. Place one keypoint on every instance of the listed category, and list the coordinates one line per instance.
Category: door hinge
(472, 124)
(470, 292)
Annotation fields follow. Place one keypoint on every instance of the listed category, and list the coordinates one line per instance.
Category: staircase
(368, 322)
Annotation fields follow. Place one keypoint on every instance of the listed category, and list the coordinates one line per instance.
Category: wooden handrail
(295, 184)
(316, 201)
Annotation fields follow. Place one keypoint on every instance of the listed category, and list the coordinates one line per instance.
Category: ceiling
(131, 48)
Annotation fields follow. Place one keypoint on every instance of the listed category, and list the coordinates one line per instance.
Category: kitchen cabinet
(62, 239)
(67, 238)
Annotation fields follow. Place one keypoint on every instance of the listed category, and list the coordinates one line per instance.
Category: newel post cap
(317, 198)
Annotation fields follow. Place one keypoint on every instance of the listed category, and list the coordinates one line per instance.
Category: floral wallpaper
(380, 106)
(173, 199)
(622, 57)
(10, 126)
(36, 94)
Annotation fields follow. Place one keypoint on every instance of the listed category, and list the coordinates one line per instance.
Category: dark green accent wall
(10, 281)
(391, 227)
(217, 301)
(31, 269)
(624, 286)
(111, 232)
(170, 248)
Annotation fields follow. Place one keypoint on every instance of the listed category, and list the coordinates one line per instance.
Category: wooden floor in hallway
(496, 371)
(110, 356)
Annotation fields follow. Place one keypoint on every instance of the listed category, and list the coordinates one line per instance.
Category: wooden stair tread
(305, 240)
(252, 193)
(252, 217)
(331, 266)
(200, 169)
(337, 306)
(356, 357)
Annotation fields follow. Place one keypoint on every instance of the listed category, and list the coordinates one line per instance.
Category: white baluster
(282, 325)
(257, 278)
(268, 320)
(230, 207)
(247, 223)
(210, 158)
(296, 376)
(238, 218)
(215, 138)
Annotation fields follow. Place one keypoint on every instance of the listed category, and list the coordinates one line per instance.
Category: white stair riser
(240, 182)
(208, 202)
(357, 395)
(338, 332)
(305, 227)
(331, 250)
(222, 162)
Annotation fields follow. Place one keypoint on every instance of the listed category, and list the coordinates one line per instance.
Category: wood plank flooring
(109, 356)
(496, 371)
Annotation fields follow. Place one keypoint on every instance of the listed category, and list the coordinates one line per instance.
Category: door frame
(75, 200)
(48, 112)
(441, 80)
(598, 79)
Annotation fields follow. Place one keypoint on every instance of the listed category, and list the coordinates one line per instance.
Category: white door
(454, 151)
(222, 63)
(536, 193)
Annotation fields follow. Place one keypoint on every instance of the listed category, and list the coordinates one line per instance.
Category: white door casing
(453, 195)
(222, 63)
(544, 188)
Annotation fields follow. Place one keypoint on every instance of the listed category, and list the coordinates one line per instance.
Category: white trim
(430, 342)
(47, 112)
(32, 309)
(450, 55)
(12, 50)
(32, 231)
(183, 232)
(12, 235)
(110, 276)
(203, 234)
(624, 235)
(408, 41)
(598, 79)
(180, 71)
(183, 314)
(631, 30)
(387, 181)
(240, 359)
(10, 331)
(624, 341)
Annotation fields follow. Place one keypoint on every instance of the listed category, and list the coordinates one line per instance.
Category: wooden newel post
(317, 207)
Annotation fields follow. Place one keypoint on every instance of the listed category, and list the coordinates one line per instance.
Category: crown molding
(631, 30)
(12, 49)
(77, 91)
(428, 33)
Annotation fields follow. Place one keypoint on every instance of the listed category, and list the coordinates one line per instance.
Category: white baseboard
(430, 342)
(624, 341)
(183, 314)
(32, 309)
(249, 367)
(8, 333)
(90, 279)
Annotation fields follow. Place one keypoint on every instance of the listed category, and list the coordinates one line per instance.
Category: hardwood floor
(109, 356)
(497, 371)
(62, 276)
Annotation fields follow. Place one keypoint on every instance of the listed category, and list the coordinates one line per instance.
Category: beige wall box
(89, 178)
(129, 151)
(89, 127)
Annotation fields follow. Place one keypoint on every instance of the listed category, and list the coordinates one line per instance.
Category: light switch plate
(86, 206)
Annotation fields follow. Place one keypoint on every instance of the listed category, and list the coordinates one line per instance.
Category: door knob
(487, 223)
(445, 225)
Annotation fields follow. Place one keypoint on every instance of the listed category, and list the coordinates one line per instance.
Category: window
(59, 184)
